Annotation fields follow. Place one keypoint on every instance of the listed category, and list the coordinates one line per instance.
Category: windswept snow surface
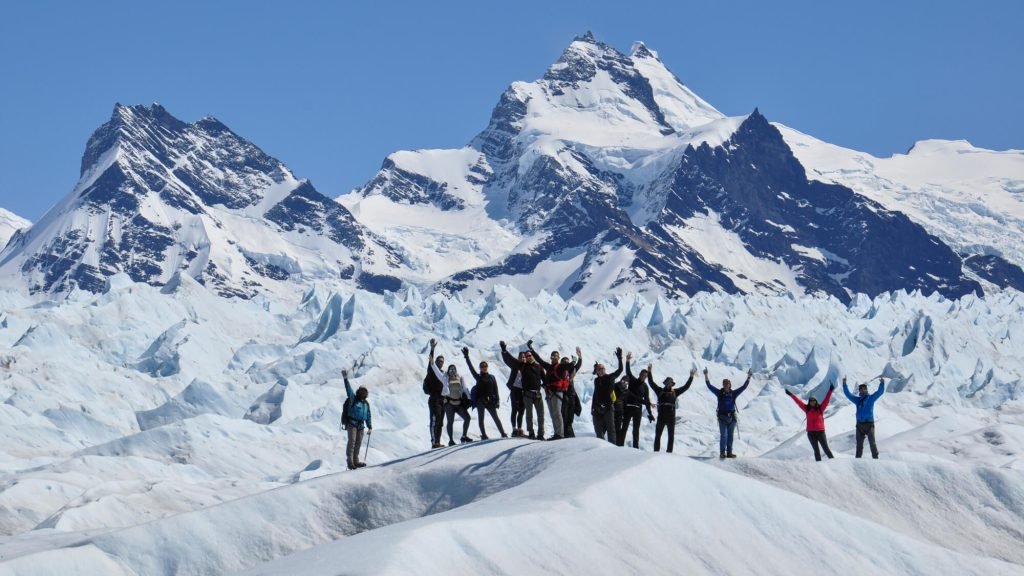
(9, 224)
(170, 431)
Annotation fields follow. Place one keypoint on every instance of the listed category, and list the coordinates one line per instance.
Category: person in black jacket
(571, 407)
(486, 395)
(667, 397)
(533, 380)
(557, 377)
(432, 387)
(602, 407)
(515, 387)
(637, 397)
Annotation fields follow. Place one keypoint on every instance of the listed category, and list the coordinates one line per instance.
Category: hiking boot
(530, 435)
(555, 437)
(436, 445)
(484, 437)
(730, 455)
(451, 442)
(721, 454)
(503, 435)
(360, 464)
(466, 439)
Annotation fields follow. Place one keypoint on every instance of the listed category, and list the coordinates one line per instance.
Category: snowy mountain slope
(475, 509)
(971, 198)
(9, 224)
(608, 175)
(158, 196)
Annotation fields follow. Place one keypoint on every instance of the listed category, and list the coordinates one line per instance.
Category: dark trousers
(494, 415)
(450, 410)
(568, 415)
(726, 431)
(631, 414)
(604, 423)
(666, 419)
(436, 406)
(866, 429)
(618, 409)
(817, 438)
(517, 408)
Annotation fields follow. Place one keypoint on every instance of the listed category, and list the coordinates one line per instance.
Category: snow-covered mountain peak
(9, 224)
(158, 195)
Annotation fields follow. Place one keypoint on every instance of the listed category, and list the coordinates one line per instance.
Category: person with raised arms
(602, 405)
(556, 383)
(355, 418)
(433, 387)
(485, 395)
(865, 414)
(515, 388)
(726, 411)
(637, 398)
(533, 380)
(455, 399)
(815, 421)
(667, 397)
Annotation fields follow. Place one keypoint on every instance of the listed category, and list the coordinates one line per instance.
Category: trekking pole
(367, 453)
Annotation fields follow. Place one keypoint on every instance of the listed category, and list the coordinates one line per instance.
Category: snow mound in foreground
(583, 506)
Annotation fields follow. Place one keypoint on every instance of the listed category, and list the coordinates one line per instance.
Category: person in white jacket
(453, 394)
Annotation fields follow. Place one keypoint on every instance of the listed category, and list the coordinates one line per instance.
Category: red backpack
(561, 383)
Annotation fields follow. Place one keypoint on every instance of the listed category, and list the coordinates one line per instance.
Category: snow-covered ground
(9, 224)
(170, 431)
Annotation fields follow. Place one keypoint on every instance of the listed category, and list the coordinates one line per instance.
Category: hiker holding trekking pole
(355, 417)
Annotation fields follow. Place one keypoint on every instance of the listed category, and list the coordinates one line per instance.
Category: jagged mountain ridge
(159, 196)
(613, 175)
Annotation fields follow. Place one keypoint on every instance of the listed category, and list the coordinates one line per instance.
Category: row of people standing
(616, 406)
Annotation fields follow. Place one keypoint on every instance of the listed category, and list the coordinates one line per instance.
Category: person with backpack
(556, 382)
(572, 406)
(637, 397)
(667, 397)
(602, 404)
(484, 395)
(815, 421)
(726, 411)
(533, 380)
(433, 387)
(865, 414)
(355, 417)
(515, 387)
(453, 393)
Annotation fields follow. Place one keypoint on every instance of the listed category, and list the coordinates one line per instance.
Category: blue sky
(331, 88)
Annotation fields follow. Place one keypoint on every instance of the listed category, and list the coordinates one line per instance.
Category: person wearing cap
(726, 412)
(816, 421)
(667, 397)
(865, 414)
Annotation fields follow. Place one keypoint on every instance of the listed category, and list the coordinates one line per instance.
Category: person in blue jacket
(865, 415)
(726, 411)
(356, 419)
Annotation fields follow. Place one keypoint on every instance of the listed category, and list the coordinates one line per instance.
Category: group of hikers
(617, 404)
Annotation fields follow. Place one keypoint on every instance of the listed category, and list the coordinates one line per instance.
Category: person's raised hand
(502, 344)
(693, 372)
(629, 356)
(344, 373)
(465, 351)
(433, 343)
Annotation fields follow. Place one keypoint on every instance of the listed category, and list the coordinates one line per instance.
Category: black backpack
(344, 413)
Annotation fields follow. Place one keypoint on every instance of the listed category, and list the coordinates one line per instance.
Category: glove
(650, 418)
(831, 387)
(618, 352)
(465, 351)
(529, 343)
(344, 373)
(502, 344)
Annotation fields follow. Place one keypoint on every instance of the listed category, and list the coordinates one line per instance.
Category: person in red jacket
(816, 421)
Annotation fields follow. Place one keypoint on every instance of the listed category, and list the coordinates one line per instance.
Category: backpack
(473, 398)
(561, 384)
(426, 385)
(344, 413)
